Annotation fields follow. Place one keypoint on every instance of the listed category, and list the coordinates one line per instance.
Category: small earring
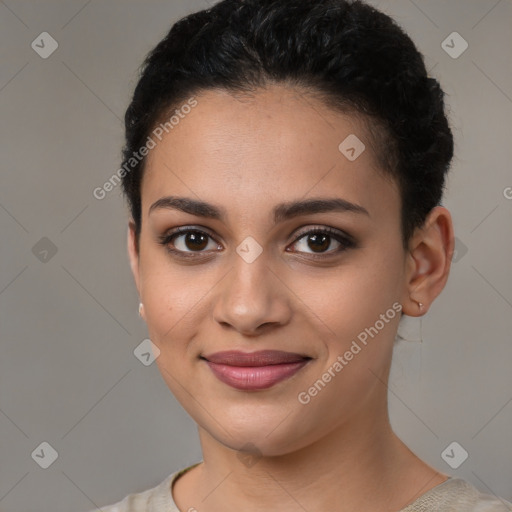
(141, 306)
(421, 326)
(420, 304)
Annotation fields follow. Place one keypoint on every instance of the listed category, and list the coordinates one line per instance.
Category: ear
(429, 261)
(133, 254)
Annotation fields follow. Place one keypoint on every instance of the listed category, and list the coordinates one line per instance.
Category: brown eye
(319, 240)
(187, 241)
(195, 240)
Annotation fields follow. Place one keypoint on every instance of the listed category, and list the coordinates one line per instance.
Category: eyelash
(345, 241)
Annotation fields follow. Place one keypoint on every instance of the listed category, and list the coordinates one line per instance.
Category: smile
(252, 378)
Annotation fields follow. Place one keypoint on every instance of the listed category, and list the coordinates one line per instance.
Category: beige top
(453, 495)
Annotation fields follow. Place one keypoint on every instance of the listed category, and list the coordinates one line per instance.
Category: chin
(259, 438)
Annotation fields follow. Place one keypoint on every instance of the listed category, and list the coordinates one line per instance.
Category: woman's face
(254, 282)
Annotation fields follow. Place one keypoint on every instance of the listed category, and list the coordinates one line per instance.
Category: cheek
(169, 308)
(358, 303)
(351, 297)
(174, 297)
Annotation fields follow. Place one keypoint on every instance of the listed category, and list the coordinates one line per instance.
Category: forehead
(248, 153)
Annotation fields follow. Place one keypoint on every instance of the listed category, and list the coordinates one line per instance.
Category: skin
(245, 155)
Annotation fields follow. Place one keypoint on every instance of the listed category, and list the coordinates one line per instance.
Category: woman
(284, 165)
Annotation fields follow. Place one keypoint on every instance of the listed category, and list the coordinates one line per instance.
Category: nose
(252, 299)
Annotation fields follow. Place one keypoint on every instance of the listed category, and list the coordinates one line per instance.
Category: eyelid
(325, 229)
(343, 238)
(166, 237)
(187, 229)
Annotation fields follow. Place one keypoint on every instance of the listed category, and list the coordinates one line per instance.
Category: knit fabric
(453, 495)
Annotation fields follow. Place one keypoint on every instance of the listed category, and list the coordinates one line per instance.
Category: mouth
(252, 371)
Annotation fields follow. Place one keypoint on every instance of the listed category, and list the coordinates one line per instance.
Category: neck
(361, 465)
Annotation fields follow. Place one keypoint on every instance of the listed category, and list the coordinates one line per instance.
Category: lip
(259, 358)
(254, 370)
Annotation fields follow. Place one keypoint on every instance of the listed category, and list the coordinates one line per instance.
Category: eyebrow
(281, 212)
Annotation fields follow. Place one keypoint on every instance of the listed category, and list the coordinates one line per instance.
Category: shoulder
(138, 502)
(456, 494)
(156, 499)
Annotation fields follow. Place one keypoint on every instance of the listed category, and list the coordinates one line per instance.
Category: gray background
(69, 323)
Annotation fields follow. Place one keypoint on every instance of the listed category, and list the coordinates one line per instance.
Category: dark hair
(348, 54)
